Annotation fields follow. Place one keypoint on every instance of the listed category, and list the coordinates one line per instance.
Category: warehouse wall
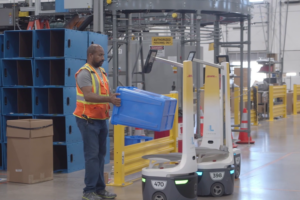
(266, 16)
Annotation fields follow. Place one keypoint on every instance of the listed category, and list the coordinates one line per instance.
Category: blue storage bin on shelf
(129, 140)
(60, 6)
(17, 72)
(68, 158)
(52, 43)
(11, 117)
(54, 101)
(18, 44)
(97, 38)
(17, 100)
(142, 109)
(56, 72)
(1, 45)
(65, 129)
(1, 156)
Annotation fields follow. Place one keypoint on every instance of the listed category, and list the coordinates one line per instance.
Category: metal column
(249, 78)
(128, 34)
(37, 7)
(192, 30)
(199, 70)
(98, 16)
(115, 52)
(216, 38)
(182, 55)
(242, 70)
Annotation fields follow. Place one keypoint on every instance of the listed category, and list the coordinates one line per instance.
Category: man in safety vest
(92, 111)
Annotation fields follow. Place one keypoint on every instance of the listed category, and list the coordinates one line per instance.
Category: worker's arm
(95, 98)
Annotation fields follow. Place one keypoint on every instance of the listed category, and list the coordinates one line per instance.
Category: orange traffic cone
(201, 121)
(233, 144)
(243, 137)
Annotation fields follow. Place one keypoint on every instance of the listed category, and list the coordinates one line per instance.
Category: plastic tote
(135, 139)
(143, 109)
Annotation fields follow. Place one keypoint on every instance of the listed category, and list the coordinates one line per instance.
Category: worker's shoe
(91, 196)
(106, 195)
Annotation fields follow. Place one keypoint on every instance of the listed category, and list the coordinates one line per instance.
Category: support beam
(115, 52)
(241, 69)
(98, 16)
(199, 70)
(216, 38)
(37, 7)
(128, 63)
(249, 78)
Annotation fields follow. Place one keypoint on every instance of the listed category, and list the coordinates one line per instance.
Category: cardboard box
(289, 103)
(106, 178)
(237, 71)
(29, 150)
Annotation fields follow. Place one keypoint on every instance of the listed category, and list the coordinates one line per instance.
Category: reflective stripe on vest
(98, 87)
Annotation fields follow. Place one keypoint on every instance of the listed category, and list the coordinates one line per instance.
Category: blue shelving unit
(65, 129)
(1, 46)
(54, 101)
(1, 156)
(38, 76)
(56, 72)
(4, 156)
(53, 43)
(17, 72)
(17, 100)
(18, 44)
(68, 158)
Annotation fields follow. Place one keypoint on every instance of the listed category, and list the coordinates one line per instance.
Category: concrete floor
(270, 171)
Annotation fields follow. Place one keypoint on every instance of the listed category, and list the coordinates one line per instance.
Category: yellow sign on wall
(163, 41)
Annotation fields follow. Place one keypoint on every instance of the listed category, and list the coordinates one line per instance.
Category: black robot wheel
(159, 196)
(217, 190)
(237, 171)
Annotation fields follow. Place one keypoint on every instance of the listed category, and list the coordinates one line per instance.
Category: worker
(92, 112)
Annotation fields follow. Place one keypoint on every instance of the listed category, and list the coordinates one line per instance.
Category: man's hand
(114, 100)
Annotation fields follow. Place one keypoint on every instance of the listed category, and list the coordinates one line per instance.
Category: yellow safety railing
(277, 110)
(296, 107)
(253, 114)
(128, 159)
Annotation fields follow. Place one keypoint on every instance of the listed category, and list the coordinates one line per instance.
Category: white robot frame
(181, 182)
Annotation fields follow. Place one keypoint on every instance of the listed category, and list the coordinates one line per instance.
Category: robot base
(170, 188)
(237, 163)
(216, 182)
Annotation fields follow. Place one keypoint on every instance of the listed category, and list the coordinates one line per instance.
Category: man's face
(98, 57)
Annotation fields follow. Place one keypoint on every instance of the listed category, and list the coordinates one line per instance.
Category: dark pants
(94, 142)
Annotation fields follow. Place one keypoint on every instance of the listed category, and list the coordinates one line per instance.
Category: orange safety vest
(99, 111)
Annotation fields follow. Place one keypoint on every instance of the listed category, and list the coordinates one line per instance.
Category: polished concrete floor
(270, 171)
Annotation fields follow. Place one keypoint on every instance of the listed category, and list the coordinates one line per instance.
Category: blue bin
(16, 100)
(1, 46)
(18, 44)
(54, 101)
(68, 158)
(53, 43)
(56, 72)
(11, 117)
(17, 72)
(97, 38)
(142, 109)
(129, 140)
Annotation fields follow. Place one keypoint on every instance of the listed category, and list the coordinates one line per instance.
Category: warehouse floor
(269, 171)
